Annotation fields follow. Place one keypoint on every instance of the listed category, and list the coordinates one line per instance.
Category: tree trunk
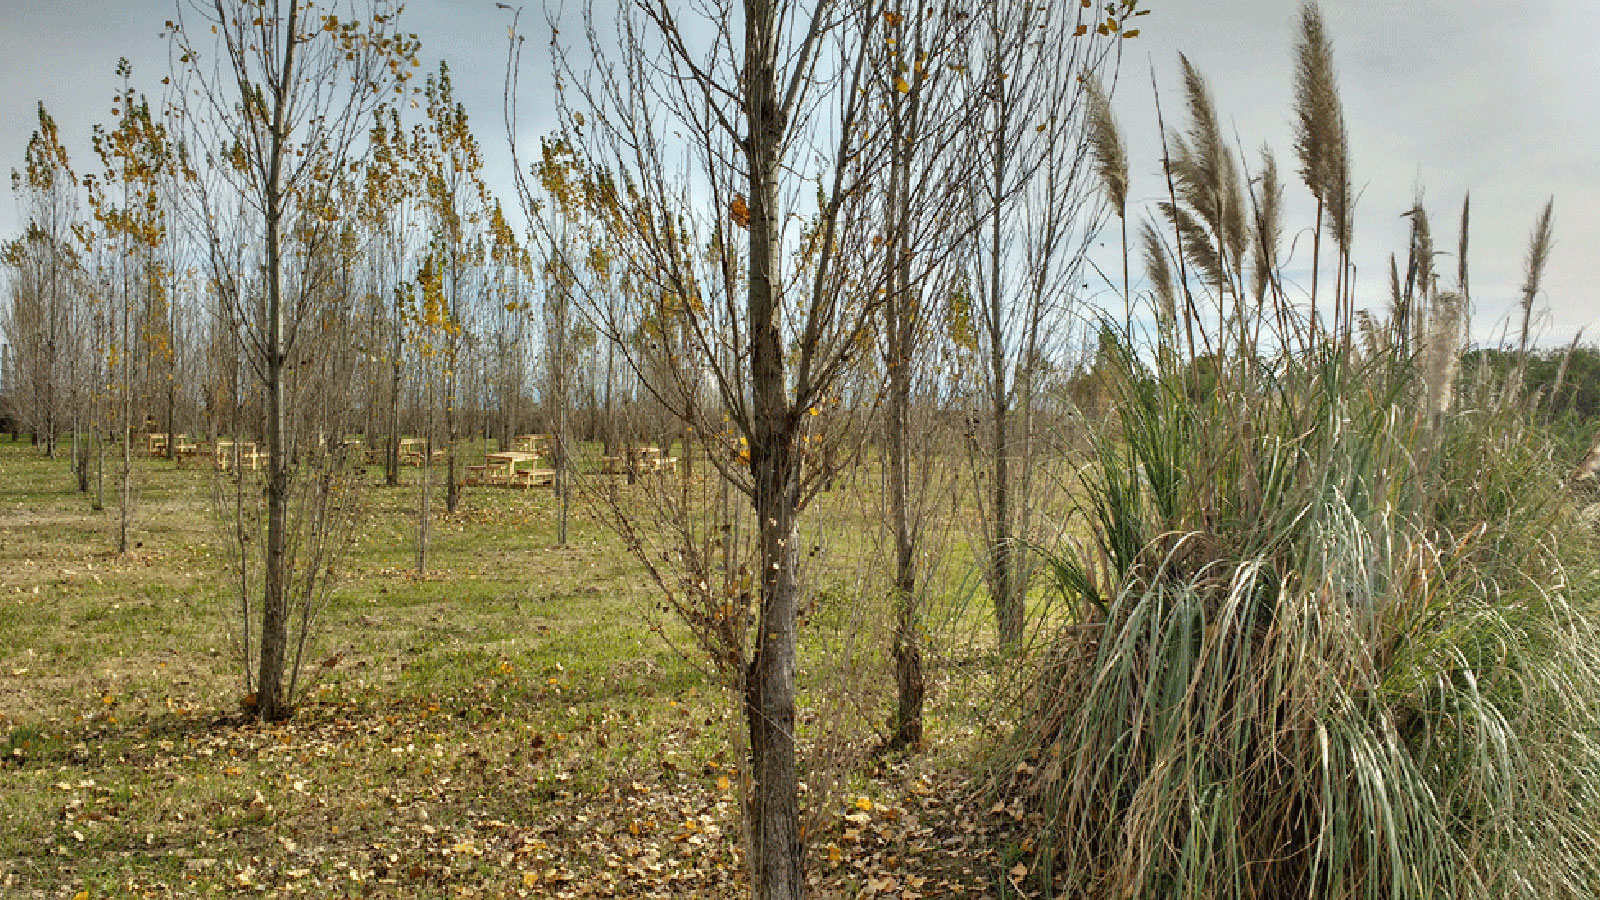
(99, 469)
(80, 450)
(172, 403)
(391, 452)
(49, 407)
(425, 511)
(901, 319)
(452, 491)
(271, 702)
(909, 685)
(1001, 576)
(126, 495)
(777, 852)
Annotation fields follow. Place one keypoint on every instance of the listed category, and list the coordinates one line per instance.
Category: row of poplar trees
(802, 233)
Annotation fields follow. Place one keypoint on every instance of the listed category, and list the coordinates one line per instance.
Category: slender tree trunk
(452, 491)
(901, 319)
(126, 495)
(609, 432)
(50, 402)
(909, 685)
(777, 851)
(1007, 606)
(391, 452)
(172, 405)
(98, 432)
(80, 451)
(172, 375)
(563, 459)
(271, 701)
(425, 511)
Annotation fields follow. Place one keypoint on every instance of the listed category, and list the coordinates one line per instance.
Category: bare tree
(766, 289)
(1033, 207)
(275, 114)
(387, 211)
(926, 116)
(43, 262)
(458, 203)
(135, 155)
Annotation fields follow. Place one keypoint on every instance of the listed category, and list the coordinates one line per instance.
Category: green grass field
(514, 723)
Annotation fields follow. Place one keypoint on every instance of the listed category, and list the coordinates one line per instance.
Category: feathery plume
(1269, 226)
(1397, 295)
(1561, 375)
(1111, 163)
(1208, 178)
(1159, 270)
(1538, 255)
(1111, 158)
(1320, 141)
(1373, 338)
(1427, 278)
(1411, 315)
(1199, 247)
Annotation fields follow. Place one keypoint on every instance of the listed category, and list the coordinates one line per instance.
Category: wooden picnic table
(638, 461)
(506, 468)
(249, 456)
(411, 450)
(532, 443)
(156, 443)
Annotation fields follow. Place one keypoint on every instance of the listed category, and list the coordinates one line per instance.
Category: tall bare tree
(135, 156)
(735, 233)
(926, 116)
(1033, 206)
(43, 261)
(450, 165)
(275, 104)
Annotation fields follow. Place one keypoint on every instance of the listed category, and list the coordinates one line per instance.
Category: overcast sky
(1493, 96)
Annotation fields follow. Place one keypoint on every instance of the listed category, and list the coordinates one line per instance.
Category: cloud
(1448, 95)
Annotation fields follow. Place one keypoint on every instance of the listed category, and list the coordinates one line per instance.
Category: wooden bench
(638, 461)
(528, 478)
(249, 456)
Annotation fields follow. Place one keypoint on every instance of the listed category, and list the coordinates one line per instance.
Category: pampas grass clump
(1336, 622)
(1325, 649)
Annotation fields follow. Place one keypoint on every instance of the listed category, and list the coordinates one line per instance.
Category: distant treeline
(1563, 381)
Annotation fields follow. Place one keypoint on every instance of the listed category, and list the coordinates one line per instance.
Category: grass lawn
(514, 723)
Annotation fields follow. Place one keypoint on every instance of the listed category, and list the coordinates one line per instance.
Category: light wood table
(515, 468)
